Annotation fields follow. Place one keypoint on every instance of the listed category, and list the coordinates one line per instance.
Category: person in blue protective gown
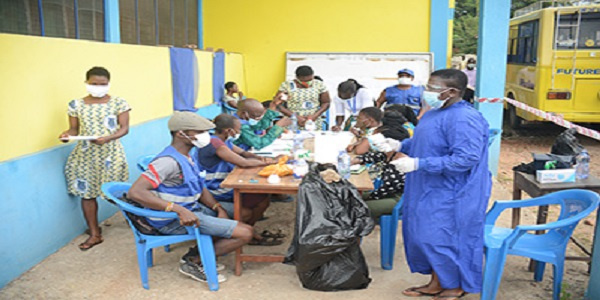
(446, 191)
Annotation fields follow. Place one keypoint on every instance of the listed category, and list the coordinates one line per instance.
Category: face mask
(202, 139)
(235, 137)
(253, 122)
(470, 66)
(405, 80)
(431, 98)
(97, 91)
(306, 83)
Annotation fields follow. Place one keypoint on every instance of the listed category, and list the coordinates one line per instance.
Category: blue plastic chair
(493, 135)
(387, 239)
(144, 161)
(227, 109)
(546, 248)
(145, 243)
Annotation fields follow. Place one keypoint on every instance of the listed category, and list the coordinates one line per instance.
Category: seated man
(254, 118)
(172, 183)
(219, 158)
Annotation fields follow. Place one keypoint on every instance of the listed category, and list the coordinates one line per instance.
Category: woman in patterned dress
(308, 98)
(100, 160)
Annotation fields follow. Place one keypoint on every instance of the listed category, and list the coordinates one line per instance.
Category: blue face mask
(253, 122)
(431, 98)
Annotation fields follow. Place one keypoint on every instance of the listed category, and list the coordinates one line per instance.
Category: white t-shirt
(353, 105)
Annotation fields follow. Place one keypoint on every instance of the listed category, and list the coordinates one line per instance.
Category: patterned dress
(91, 165)
(304, 101)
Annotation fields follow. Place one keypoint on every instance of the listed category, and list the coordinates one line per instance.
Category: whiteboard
(376, 71)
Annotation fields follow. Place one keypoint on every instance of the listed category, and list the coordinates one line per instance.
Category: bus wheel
(513, 120)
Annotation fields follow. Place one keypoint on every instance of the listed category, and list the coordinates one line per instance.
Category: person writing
(447, 189)
(100, 160)
(219, 158)
(254, 117)
(352, 98)
(173, 183)
(405, 92)
(308, 98)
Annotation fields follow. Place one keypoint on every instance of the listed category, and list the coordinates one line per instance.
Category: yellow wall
(234, 70)
(264, 30)
(39, 76)
(205, 81)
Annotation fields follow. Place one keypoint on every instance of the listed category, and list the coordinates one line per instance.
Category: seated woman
(389, 181)
(368, 120)
(232, 94)
(218, 159)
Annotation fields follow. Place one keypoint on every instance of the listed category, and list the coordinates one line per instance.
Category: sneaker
(192, 253)
(196, 272)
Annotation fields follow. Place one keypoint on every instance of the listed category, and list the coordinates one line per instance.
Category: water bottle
(297, 146)
(310, 125)
(582, 169)
(343, 166)
(300, 168)
(294, 126)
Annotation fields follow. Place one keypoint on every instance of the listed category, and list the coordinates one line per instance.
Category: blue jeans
(209, 224)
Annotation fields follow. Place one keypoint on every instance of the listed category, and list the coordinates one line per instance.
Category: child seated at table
(219, 158)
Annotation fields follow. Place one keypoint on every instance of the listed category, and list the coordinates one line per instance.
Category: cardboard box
(555, 176)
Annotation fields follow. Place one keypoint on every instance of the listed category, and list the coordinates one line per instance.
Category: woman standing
(308, 98)
(99, 160)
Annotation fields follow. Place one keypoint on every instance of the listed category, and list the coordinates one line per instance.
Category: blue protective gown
(446, 197)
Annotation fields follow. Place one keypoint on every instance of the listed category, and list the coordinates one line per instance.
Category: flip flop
(85, 246)
(407, 292)
(270, 234)
(266, 241)
(439, 296)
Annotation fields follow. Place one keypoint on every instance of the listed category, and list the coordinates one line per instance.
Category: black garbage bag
(567, 144)
(330, 220)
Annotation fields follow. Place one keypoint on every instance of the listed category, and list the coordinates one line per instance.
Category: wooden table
(247, 181)
(526, 183)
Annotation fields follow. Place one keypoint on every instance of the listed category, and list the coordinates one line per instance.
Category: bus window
(589, 32)
(523, 44)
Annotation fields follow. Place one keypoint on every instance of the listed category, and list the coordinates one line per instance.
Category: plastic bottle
(297, 146)
(300, 168)
(294, 126)
(582, 169)
(343, 166)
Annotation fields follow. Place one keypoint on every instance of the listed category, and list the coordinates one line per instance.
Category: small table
(239, 181)
(528, 184)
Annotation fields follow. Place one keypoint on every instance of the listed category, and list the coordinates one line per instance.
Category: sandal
(413, 292)
(87, 245)
(440, 296)
(266, 241)
(270, 234)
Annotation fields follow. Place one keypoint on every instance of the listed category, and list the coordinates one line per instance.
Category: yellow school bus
(554, 62)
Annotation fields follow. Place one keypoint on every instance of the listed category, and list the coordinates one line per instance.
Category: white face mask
(97, 91)
(471, 66)
(405, 80)
(202, 139)
(235, 137)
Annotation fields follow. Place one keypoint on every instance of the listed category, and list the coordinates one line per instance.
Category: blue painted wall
(491, 66)
(39, 217)
(438, 32)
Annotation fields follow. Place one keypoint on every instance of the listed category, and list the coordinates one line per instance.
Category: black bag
(567, 144)
(330, 220)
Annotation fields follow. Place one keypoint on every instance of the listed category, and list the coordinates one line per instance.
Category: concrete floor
(109, 271)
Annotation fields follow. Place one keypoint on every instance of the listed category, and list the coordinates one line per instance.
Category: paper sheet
(329, 144)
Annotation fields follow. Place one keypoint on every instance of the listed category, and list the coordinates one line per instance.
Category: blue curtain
(184, 76)
(218, 76)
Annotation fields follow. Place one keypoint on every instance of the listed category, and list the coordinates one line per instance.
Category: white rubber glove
(396, 145)
(406, 164)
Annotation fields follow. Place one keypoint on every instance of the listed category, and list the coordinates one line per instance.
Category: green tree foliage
(466, 23)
